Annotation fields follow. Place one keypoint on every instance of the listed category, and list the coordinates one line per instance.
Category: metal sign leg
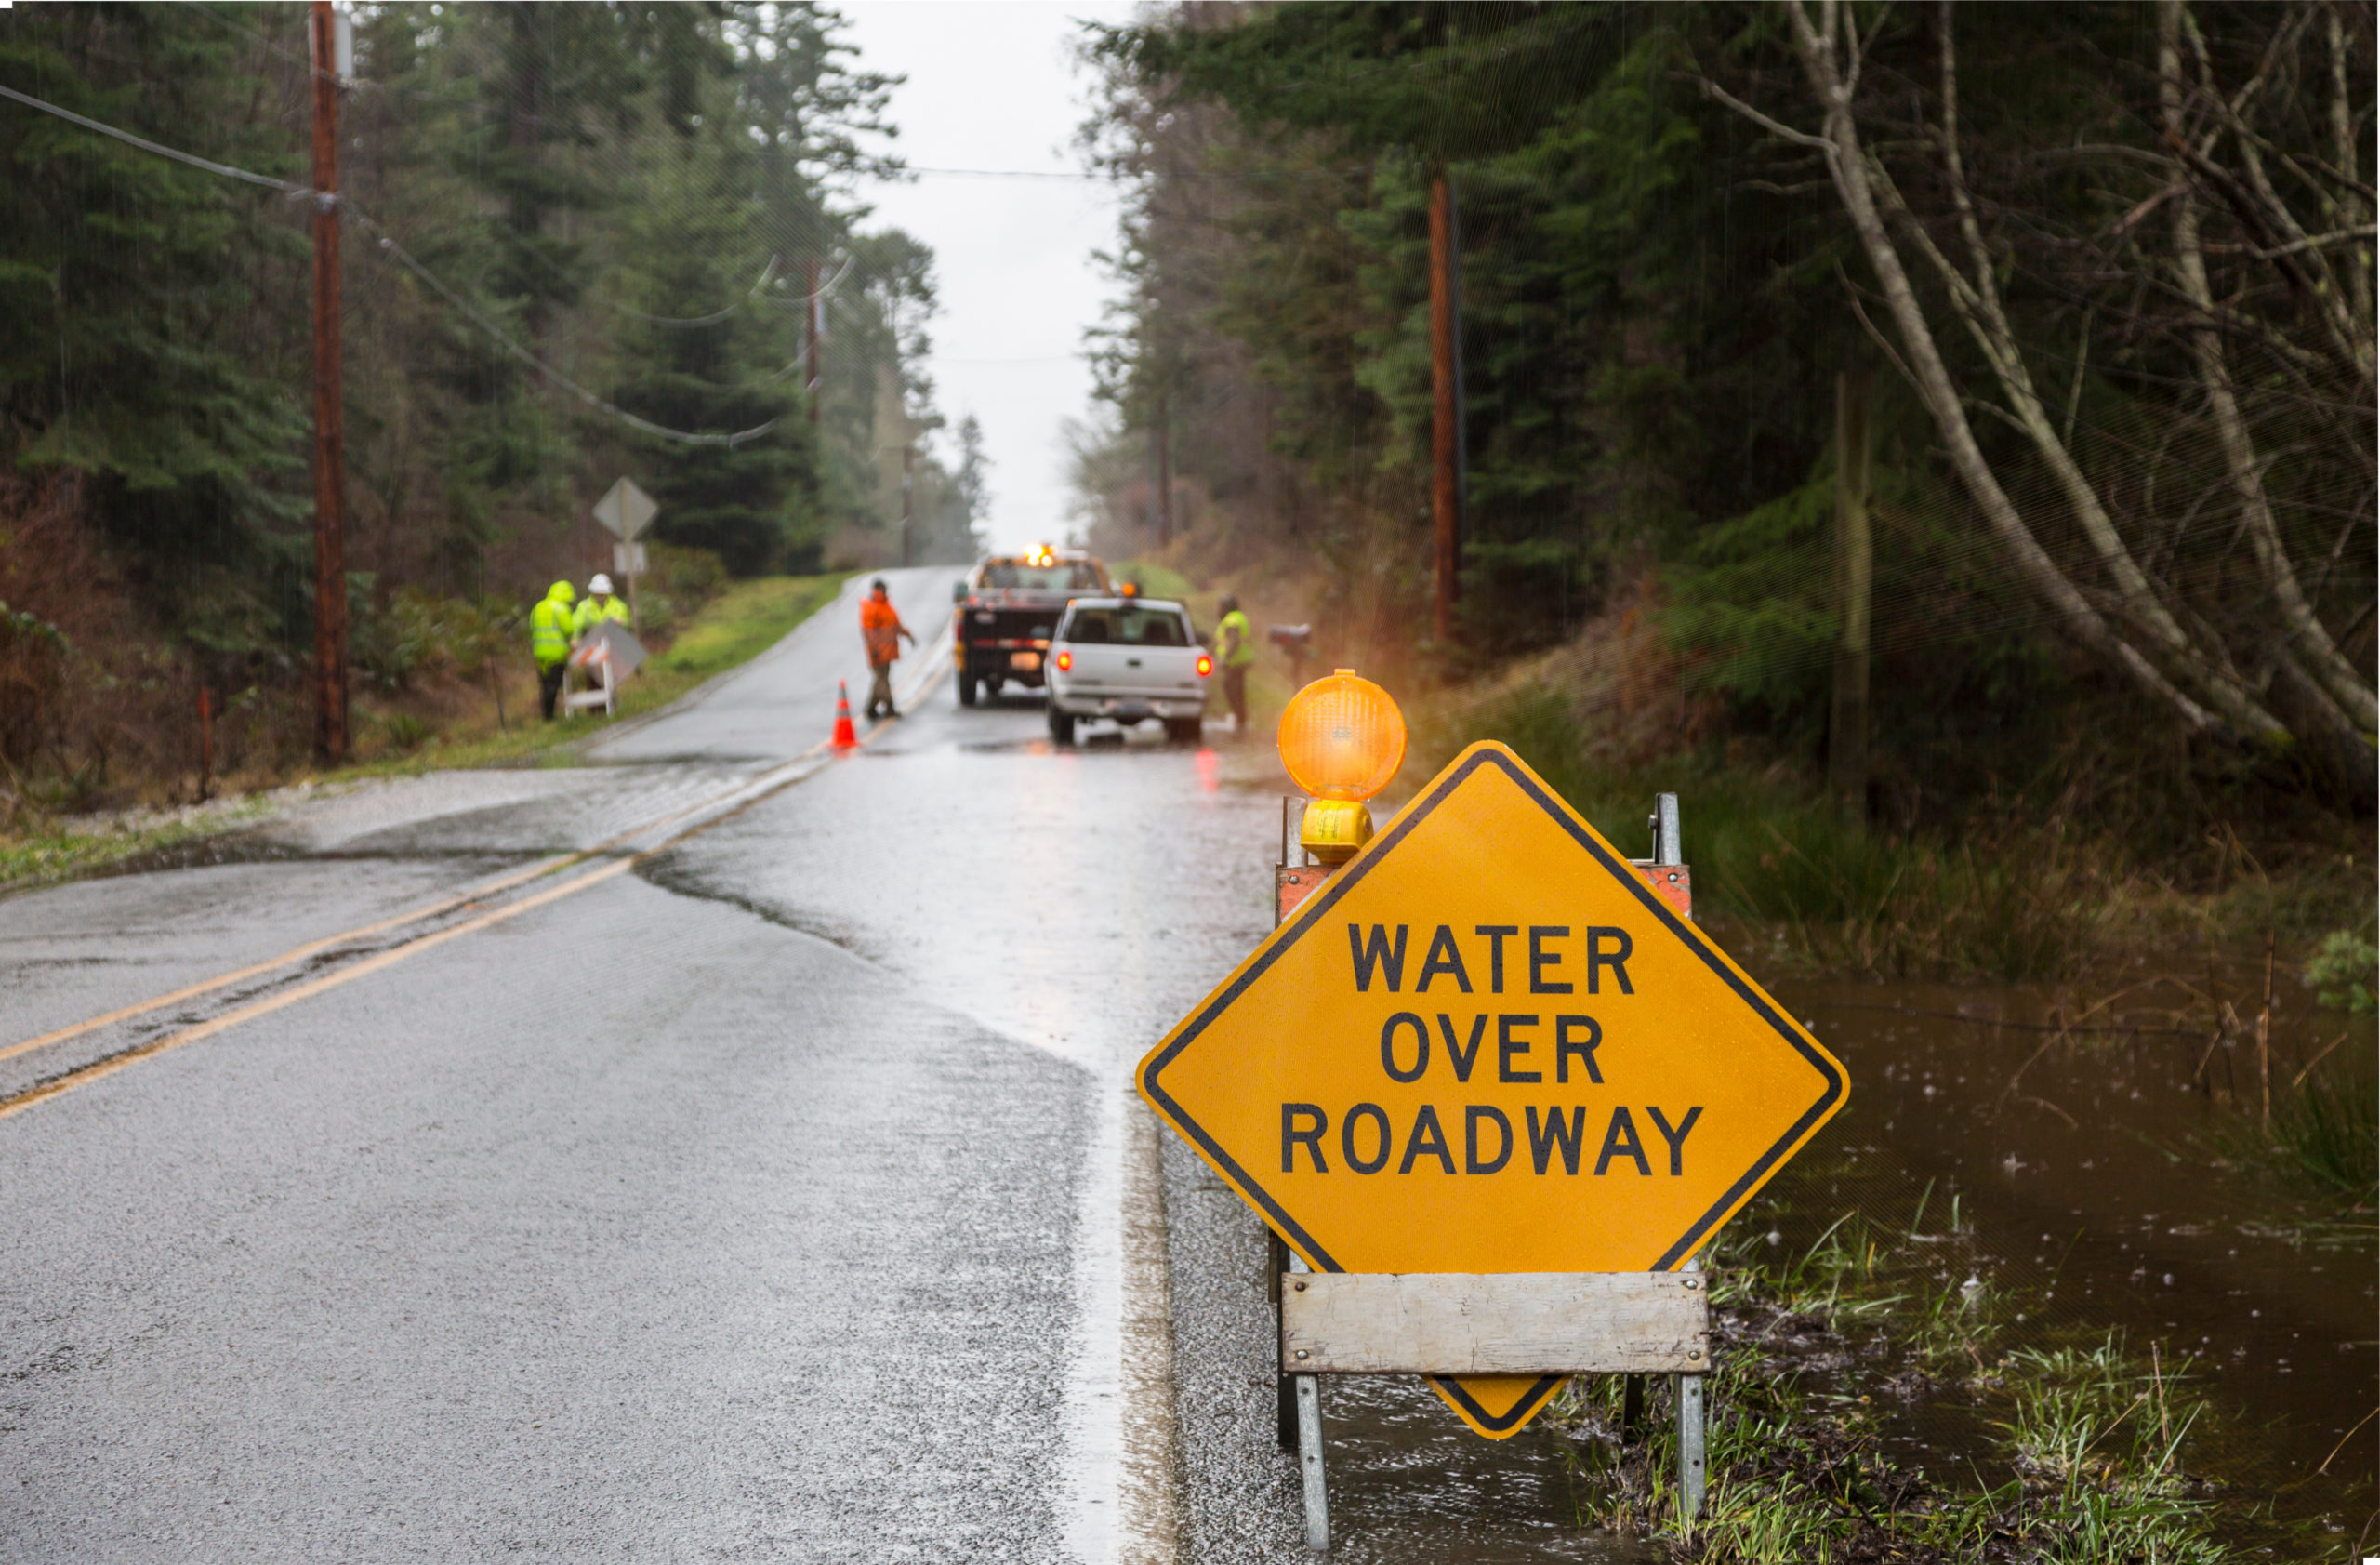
(1690, 1431)
(1317, 1500)
(1669, 847)
(1690, 1445)
(1285, 1386)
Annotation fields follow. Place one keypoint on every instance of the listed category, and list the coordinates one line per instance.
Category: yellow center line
(760, 788)
(427, 911)
(295, 954)
(16, 1103)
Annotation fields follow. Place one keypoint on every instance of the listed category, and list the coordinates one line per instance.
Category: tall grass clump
(2101, 1441)
(2342, 972)
(2324, 1137)
(2327, 1132)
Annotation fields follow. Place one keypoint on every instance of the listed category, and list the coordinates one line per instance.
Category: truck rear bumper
(1022, 665)
(1127, 709)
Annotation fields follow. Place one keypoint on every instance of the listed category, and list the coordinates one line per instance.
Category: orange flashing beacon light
(1343, 740)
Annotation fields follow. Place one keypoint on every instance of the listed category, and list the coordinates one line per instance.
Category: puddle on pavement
(1409, 1483)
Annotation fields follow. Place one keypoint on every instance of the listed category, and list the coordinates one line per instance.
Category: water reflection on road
(1409, 1483)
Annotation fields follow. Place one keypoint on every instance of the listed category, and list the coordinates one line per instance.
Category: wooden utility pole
(1164, 472)
(1443, 505)
(908, 460)
(1854, 567)
(330, 445)
(1461, 378)
(811, 308)
(1148, 461)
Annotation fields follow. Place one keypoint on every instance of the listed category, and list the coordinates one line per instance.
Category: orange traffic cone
(845, 738)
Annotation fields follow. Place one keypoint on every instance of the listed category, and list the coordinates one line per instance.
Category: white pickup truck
(1129, 660)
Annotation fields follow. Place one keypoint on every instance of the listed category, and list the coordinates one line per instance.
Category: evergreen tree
(153, 316)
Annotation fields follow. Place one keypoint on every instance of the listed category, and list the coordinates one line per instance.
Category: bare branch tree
(2304, 637)
(2271, 675)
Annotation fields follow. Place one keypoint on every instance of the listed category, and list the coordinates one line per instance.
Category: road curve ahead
(718, 1150)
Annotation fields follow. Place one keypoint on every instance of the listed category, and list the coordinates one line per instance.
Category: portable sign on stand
(627, 510)
(605, 657)
(1489, 1082)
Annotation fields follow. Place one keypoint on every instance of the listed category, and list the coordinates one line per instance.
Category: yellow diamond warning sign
(1488, 1046)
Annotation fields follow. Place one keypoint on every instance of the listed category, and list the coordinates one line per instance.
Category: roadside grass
(2080, 1452)
(47, 855)
(1830, 895)
(733, 627)
(737, 625)
(1153, 581)
(1995, 900)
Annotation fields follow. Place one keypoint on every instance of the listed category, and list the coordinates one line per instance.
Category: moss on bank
(50, 856)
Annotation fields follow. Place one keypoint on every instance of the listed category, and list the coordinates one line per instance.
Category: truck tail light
(1066, 662)
(1206, 665)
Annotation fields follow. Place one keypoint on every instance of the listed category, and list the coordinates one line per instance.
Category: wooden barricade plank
(1512, 1323)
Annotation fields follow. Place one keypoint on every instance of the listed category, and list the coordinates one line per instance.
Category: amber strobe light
(1342, 740)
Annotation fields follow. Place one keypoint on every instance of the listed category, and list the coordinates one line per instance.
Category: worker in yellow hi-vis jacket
(600, 605)
(551, 626)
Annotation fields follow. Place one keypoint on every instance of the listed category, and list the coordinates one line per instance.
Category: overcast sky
(992, 86)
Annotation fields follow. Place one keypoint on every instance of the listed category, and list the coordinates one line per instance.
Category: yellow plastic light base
(1335, 829)
(1341, 737)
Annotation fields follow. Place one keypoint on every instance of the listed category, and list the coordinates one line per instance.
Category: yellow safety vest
(591, 612)
(1245, 653)
(550, 629)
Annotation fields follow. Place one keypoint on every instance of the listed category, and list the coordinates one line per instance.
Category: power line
(148, 146)
(768, 274)
(774, 376)
(1005, 174)
(825, 289)
(388, 242)
(681, 322)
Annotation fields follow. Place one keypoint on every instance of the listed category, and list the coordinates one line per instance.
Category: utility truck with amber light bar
(1129, 660)
(1008, 608)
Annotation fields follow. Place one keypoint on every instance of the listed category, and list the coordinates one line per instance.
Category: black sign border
(1338, 885)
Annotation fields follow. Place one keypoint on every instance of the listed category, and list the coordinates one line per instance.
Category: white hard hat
(600, 584)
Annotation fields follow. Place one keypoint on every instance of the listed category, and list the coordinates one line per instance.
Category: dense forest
(2107, 268)
(580, 241)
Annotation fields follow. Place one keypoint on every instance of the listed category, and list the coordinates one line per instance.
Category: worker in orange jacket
(879, 625)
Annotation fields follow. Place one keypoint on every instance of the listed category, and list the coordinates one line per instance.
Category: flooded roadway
(783, 1194)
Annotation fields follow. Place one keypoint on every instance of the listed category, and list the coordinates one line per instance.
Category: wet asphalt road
(765, 1184)
(735, 1207)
